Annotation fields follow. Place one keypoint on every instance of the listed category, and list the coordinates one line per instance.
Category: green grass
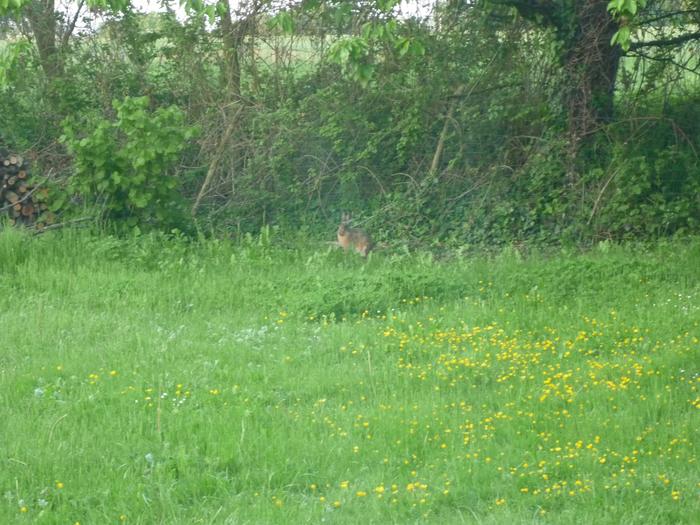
(156, 381)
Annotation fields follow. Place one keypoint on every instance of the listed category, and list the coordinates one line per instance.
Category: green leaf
(403, 45)
(286, 22)
(624, 37)
(417, 47)
(615, 5)
(57, 203)
(387, 5)
(365, 73)
(210, 12)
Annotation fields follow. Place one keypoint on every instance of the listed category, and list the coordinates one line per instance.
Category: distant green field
(158, 381)
(682, 74)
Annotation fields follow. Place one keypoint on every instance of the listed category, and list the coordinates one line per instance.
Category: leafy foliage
(128, 164)
(450, 132)
(625, 10)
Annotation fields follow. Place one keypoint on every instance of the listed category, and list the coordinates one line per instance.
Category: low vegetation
(161, 380)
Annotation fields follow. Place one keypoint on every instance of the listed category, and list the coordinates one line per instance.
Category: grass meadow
(154, 380)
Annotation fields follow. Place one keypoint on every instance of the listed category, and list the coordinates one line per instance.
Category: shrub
(129, 165)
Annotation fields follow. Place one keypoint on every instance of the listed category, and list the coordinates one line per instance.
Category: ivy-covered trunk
(590, 63)
(583, 30)
(232, 38)
(42, 21)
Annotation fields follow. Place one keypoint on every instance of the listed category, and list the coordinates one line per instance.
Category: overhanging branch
(664, 42)
(686, 13)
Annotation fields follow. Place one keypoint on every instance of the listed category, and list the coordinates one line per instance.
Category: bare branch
(668, 15)
(664, 42)
(71, 27)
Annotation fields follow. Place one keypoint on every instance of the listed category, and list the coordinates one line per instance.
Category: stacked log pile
(20, 201)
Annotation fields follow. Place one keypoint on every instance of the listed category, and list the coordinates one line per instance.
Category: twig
(215, 161)
(662, 42)
(600, 195)
(459, 92)
(71, 26)
(379, 183)
(61, 225)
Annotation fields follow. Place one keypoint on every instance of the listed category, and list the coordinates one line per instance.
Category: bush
(128, 165)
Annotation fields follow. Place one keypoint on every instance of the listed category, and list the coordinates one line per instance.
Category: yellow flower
(59, 485)
(360, 493)
(344, 484)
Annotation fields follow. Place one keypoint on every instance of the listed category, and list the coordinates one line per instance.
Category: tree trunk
(583, 29)
(590, 65)
(42, 21)
(232, 37)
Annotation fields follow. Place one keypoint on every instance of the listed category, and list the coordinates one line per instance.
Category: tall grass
(157, 380)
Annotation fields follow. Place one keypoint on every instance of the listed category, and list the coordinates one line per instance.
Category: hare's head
(344, 223)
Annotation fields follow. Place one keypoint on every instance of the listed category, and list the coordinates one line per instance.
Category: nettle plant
(129, 164)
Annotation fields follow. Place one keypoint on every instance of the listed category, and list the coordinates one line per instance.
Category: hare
(356, 238)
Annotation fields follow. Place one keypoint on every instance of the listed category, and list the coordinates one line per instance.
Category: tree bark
(583, 29)
(591, 64)
(42, 21)
(232, 38)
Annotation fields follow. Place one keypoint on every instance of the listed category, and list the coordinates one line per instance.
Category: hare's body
(354, 238)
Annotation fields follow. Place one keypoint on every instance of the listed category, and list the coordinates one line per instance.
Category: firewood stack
(19, 200)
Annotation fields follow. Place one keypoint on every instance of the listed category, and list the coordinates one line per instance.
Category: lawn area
(154, 380)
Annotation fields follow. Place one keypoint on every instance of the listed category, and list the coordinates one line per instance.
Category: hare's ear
(345, 217)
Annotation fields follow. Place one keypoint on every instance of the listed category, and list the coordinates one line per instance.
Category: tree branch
(69, 30)
(668, 15)
(663, 42)
(668, 60)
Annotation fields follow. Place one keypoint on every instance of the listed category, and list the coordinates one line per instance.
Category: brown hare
(355, 238)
